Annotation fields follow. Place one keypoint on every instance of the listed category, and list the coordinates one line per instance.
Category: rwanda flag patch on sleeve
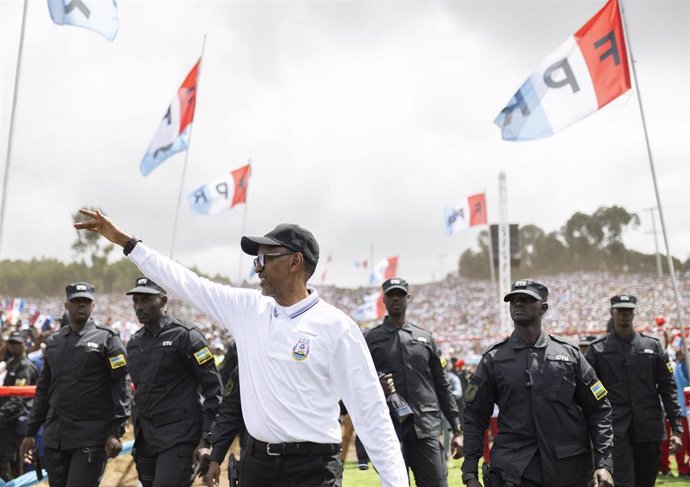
(117, 361)
(598, 390)
(203, 356)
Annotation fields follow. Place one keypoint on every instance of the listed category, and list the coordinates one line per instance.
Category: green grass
(353, 477)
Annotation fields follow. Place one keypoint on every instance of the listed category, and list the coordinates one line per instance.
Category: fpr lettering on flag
(172, 135)
(468, 214)
(223, 194)
(97, 15)
(584, 74)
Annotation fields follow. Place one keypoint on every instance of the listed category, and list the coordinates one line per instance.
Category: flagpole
(671, 270)
(244, 231)
(8, 157)
(186, 156)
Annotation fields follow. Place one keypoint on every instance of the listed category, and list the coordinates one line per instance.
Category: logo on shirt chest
(301, 349)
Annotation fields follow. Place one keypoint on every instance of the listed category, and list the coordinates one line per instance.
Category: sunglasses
(261, 259)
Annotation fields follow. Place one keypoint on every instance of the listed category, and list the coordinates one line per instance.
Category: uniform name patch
(471, 392)
(203, 356)
(117, 361)
(598, 390)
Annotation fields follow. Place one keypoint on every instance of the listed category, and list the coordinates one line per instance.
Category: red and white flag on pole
(467, 214)
(372, 308)
(172, 135)
(222, 194)
(384, 269)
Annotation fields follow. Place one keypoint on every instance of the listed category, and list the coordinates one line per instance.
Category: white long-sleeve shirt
(296, 362)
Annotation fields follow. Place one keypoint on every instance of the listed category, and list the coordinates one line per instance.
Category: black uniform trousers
(9, 447)
(77, 467)
(316, 465)
(635, 462)
(169, 468)
(425, 457)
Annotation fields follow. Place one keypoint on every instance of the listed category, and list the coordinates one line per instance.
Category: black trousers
(79, 467)
(259, 469)
(10, 466)
(425, 457)
(170, 468)
(635, 463)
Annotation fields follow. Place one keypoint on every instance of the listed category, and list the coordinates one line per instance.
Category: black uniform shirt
(82, 393)
(20, 372)
(411, 355)
(550, 402)
(172, 370)
(636, 372)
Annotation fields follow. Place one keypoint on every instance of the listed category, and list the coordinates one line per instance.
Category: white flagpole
(186, 156)
(671, 270)
(244, 226)
(8, 157)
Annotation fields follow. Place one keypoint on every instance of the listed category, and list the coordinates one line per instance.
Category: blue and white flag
(97, 15)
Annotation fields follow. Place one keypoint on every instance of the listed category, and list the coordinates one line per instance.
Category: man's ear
(544, 307)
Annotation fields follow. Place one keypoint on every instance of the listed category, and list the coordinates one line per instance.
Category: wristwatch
(466, 477)
(129, 246)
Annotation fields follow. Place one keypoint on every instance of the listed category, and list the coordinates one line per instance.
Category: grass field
(353, 477)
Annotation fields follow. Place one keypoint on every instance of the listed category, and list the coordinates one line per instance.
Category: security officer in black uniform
(20, 371)
(409, 354)
(552, 408)
(177, 391)
(636, 370)
(81, 396)
(228, 425)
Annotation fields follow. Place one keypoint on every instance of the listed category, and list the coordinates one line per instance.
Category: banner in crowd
(97, 15)
(384, 269)
(12, 310)
(468, 214)
(222, 194)
(172, 135)
(584, 74)
(372, 308)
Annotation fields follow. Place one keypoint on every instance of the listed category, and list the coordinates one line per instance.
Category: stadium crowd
(459, 311)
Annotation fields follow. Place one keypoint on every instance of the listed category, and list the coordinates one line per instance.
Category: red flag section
(477, 207)
(241, 178)
(602, 43)
(187, 97)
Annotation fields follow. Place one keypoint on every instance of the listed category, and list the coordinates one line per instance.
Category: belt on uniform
(303, 448)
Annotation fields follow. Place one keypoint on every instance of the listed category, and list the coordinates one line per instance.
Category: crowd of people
(459, 311)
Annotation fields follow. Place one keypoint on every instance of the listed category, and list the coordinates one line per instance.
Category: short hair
(309, 268)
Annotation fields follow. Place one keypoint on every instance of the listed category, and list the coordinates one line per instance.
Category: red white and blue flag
(372, 308)
(585, 73)
(384, 269)
(173, 133)
(223, 194)
(469, 213)
(13, 308)
(97, 15)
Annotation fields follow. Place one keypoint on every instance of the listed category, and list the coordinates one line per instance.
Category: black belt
(303, 448)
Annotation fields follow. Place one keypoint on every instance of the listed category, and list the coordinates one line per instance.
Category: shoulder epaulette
(564, 341)
(600, 339)
(106, 328)
(495, 345)
(184, 324)
(649, 336)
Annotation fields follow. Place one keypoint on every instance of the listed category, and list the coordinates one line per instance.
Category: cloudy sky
(362, 120)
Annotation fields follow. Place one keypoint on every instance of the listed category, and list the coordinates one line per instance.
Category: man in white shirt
(298, 356)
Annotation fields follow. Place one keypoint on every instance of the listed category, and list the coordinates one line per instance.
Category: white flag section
(212, 198)
(384, 269)
(97, 15)
(457, 218)
(371, 309)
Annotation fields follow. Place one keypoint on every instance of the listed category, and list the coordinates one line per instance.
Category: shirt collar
(158, 327)
(518, 343)
(390, 327)
(87, 326)
(300, 307)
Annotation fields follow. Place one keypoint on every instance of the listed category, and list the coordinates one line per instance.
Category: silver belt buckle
(268, 451)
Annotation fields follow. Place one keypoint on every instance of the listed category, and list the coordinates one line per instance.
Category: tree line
(584, 243)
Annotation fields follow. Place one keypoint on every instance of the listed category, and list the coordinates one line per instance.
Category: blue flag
(98, 15)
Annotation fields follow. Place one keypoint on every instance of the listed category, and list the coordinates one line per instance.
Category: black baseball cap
(531, 288)
(287, 235)
(624, 301)
(144, 285)
(395, 283)
(80, 290)
(17, 336)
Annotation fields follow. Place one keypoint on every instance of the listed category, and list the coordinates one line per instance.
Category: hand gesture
(102, 225)
(113, 447)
